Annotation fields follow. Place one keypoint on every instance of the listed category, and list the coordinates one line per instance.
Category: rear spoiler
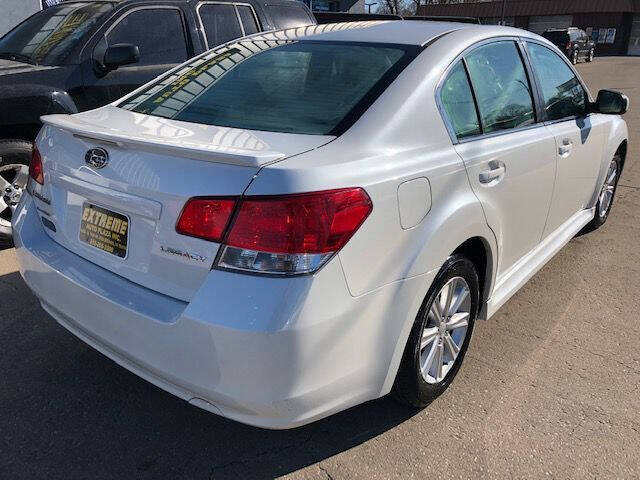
(184, 147)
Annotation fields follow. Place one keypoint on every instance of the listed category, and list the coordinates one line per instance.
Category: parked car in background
(573, 42)
(84, 54)
(304, 220)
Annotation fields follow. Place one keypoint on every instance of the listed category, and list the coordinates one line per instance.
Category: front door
(511, 162)
(158, 32)
(580, 138)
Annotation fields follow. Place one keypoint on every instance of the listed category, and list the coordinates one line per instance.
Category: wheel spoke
(4, 183)
(428, 336)
(428, 361)
(462, 296)
(439, 355)
(450, 290)
(3, 206)
(22, 177)
(612, 176)
(458, 320)
(436, 310)
(451, 345)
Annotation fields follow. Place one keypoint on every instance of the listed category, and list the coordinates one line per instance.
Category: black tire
(600, 219)
(11, 152)
(410, 387)
(590, 55)
(574, 57)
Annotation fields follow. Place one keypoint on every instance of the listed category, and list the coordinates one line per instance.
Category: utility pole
(504, 5)
(369, 5)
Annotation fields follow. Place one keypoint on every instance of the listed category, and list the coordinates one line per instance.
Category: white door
(510, 158)
(580, 138)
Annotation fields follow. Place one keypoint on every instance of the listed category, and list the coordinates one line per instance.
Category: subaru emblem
(97, 158)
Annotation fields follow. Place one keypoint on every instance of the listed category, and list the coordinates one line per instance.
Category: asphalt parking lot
(550, 387)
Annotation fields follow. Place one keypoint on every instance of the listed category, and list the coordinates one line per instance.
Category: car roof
(404, 32)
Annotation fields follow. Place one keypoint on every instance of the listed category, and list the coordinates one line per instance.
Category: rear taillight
(206, 217)
(288, 234)
(568, 46)
(35, 166)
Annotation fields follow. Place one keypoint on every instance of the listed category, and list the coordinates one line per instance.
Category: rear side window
(220, 23)
(158, 33)
(299, 87)
(501, 86)
(457, 100)
(285, 16)
(562, 92)
(248, 19)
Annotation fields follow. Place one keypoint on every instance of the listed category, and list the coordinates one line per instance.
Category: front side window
(158, 33)
(48, 37)
(562, 92)
(281, 86)
(457, 100)
(501, 86)
(220, 23)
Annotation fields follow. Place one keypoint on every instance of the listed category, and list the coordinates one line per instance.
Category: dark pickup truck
(81, 55)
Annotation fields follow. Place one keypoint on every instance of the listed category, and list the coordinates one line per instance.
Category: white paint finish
(516, 204)
(579, 149)
(131, 130)
(414, 201)
(279, 352)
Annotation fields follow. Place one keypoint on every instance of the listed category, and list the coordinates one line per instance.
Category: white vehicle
(301, 221)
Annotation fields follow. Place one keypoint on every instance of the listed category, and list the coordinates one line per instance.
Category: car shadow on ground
(71, 412)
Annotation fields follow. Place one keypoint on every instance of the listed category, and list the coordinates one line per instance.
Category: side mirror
(121, 54)
(610, 102)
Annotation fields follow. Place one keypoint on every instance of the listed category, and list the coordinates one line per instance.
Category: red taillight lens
(319, 222)
(568, 46)
(206, 218)
(284, 235)
(35, 167)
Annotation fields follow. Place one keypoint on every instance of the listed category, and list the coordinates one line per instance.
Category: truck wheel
(590, 56)
(574, 57)
(14, 173)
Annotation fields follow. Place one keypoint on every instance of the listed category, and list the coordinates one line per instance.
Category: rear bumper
(270, 352)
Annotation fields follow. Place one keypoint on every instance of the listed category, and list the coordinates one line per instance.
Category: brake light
(35, 166)
(568, 46)
(287, 234)
(206, 218)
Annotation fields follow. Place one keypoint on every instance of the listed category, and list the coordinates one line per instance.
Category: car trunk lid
(154, 166)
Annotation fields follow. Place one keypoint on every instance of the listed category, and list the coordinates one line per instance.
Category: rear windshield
(302, 87)
(49, 36)
(556, 37)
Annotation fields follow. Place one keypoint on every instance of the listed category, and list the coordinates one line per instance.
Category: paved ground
(549, 389)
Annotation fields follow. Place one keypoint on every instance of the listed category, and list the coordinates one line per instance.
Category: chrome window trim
(235, 6)
(460, 57)
(588, 98)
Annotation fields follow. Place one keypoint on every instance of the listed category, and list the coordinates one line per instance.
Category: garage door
(539, 24)
(634, 38)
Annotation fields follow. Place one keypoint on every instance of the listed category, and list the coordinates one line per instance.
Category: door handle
(494, 174)
(566, 148)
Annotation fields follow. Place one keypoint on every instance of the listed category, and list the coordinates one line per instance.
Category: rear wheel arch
(478, 251)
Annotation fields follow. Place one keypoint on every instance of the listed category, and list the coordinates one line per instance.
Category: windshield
(49, 36)
(306, 87)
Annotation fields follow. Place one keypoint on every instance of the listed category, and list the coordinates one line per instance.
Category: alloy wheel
(608, 189)
(13, 181)
(445, 330)
(591, 55)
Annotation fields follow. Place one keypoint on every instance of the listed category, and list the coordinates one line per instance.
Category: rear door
(160, 33)
(509, 155)
(579, 136)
